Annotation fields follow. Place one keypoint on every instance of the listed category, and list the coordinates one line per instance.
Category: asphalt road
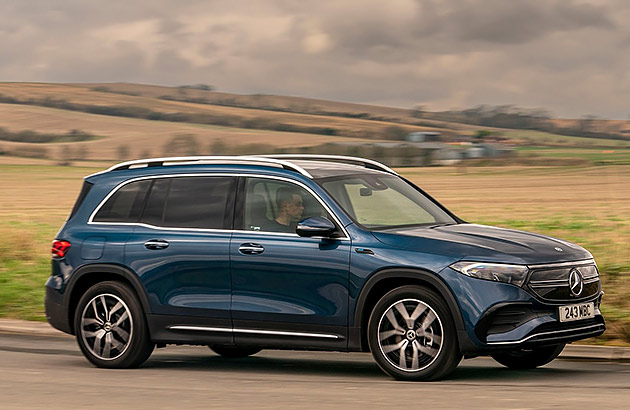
(50, 373)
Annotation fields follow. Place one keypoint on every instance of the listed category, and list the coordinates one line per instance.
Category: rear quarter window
(87, 186)
(125, 205)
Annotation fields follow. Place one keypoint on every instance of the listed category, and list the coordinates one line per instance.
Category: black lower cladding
(557, 332)
(56, 311)
(504, 318)
(204, 331)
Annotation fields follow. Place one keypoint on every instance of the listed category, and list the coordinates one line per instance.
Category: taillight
(60, 248)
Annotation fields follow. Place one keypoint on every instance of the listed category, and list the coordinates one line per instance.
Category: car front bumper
(499, 316)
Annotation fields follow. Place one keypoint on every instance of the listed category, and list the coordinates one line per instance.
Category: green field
(587, 205)
(597, 156)
(545, 138)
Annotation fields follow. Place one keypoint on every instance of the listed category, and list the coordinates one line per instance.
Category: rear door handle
(250, 248)
(156, 244)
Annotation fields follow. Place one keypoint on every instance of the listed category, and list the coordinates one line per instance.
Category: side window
(154, 208)
(189, 202)
(125, 204)
(277, 206)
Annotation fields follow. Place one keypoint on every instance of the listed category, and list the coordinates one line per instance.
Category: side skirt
(202, 331)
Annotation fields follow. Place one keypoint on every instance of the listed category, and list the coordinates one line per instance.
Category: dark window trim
(238, 222)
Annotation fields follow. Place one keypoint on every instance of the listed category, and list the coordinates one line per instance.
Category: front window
(277, 206)
(384, 201)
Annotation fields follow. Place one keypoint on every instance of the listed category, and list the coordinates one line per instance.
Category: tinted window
(277, 206)
(84, 191)
(154, 208)
(125, 204)
(189, 202)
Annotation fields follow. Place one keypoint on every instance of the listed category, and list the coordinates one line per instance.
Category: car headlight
(498, 272)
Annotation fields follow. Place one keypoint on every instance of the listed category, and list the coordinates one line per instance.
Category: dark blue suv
(307, 252)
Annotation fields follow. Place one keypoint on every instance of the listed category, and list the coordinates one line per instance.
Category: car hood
(483, 243)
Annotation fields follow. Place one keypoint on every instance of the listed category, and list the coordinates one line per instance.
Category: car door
(180, 250)
(287, 290)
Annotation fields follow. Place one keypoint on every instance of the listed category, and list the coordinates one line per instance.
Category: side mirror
(315, 226)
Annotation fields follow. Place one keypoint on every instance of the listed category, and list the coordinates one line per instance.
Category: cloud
(567, 55)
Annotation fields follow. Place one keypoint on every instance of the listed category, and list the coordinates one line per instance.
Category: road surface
(51, 373)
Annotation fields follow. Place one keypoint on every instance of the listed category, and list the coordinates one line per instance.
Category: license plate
(580, 311)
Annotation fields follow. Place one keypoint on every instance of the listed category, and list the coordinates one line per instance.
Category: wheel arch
(384, 281)
(88, 275)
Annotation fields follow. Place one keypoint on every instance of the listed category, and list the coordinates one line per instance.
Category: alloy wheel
(410, 335)
(106, 326)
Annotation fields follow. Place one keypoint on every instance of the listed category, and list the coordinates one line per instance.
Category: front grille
(551, 283)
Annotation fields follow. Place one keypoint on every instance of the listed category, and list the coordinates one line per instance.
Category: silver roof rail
(157, 162)
(368, 163)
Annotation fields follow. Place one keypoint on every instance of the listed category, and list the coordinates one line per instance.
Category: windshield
(384, 201)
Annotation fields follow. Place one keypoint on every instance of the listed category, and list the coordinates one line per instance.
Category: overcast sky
(570, 56)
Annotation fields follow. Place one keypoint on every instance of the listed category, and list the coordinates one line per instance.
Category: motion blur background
(513, 113)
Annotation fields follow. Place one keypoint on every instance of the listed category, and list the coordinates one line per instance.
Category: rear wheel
(235, 352)
(110, 326)
(522, 359)
(412, 335)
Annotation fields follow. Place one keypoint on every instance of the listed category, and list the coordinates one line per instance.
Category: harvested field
(140, 135)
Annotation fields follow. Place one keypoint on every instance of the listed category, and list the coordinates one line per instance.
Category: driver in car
(290, 209)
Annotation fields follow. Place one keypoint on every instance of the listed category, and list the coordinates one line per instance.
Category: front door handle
(156, 244)
(250, 248)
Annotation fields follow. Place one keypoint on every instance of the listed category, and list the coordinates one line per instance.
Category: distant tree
(64, 155)
(81, 152)
(378, 152)
(394, 132)
(586, 123)
(182, 145)
(202, 87)
(122, 152)
(418, 111)
(145, 153)
(480, 136)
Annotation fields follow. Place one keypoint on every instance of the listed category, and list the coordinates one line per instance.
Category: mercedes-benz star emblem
(576, 284)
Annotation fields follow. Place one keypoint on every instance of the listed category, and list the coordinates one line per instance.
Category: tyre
(522, 359)
(234, 352)
(412, 336)
(111, 328)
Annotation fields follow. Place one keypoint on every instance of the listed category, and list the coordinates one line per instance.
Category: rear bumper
(56, 311)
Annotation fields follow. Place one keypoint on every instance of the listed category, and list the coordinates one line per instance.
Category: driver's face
(295, 207)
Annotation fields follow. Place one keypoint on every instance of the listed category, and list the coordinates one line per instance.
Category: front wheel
(111, 328)
(412, 335)
(522, 359)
